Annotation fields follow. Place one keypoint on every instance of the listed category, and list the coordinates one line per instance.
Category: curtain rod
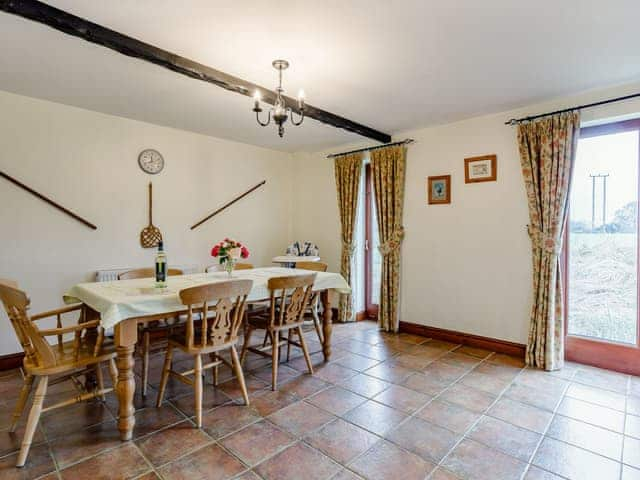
(402, 142)
(515, 121)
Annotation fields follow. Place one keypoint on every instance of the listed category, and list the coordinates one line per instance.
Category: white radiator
(109, 275)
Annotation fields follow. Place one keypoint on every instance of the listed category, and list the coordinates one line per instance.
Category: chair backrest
(315, 266)
(16, 303)
(146, 273)
(290, 298)
(226, 300)
(216, 267)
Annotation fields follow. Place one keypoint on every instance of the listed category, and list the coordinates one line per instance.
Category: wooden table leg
(327, 324)
(126, 333)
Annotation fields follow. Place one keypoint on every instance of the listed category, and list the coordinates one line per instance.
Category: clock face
(151, 161)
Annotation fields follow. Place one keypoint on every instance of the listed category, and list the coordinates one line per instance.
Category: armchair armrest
(73, 328)
(56, 312)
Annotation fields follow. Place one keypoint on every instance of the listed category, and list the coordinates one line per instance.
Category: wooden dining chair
(289, 299)
(315, 298)
(218, 268)
(149, 329)
(225, 301)
(52, 364)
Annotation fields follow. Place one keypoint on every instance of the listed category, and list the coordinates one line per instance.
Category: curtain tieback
(349, 248)
(393, 242)
(545, 242)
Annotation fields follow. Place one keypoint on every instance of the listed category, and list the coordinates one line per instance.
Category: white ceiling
(393, 66)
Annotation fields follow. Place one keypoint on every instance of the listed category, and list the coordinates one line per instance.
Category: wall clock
(151, 161)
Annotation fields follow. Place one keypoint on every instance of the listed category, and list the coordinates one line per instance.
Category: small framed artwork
(439, 190)
(481, 169)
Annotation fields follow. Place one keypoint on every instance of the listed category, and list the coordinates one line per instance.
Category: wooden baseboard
(493, 344)
(11, 361)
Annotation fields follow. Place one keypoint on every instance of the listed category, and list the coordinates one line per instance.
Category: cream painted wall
(87, 162)
(466, 266)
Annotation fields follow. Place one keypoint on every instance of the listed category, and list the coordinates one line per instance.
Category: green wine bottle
(161, 267)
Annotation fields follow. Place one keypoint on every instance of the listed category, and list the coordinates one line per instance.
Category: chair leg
(266, 337)
(275, 352)
(22, 401)
(239, 374)
(197, 374)
(213, 357)
(245, 345)
(100, 380)
(145, 362)
(113, 372)
(288, 344)
(32, 423)
(165, 375)
(304, 350)
(316, 321)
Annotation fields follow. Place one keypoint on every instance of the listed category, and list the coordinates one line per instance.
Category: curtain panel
(388, 167)
(547, 154)
(348, 170)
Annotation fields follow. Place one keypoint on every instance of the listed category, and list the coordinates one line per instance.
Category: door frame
(604, 353)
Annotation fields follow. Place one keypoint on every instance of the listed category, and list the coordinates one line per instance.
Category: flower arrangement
(228, 252)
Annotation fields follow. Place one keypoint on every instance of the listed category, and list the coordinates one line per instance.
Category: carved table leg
(126, 333)
(327, 325)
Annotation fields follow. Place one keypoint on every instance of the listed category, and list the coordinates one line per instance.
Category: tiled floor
(386, 407)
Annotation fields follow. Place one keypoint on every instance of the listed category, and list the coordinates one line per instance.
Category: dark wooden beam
(92, 32)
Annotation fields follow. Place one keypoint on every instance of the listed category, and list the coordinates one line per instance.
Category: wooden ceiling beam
(92, 32)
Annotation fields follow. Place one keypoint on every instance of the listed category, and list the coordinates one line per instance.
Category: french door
(601, 249)
(372, 260)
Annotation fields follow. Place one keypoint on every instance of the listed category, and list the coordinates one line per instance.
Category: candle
(256, 100)
(301, 99)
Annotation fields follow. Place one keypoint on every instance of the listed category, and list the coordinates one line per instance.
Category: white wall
(466, 266)
(87, 162)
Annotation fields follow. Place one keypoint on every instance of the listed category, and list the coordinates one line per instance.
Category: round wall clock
(151, 161)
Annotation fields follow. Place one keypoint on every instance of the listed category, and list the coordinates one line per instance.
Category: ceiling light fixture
(280, 110)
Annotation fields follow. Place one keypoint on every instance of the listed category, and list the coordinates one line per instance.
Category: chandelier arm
(299, 122)
(264, 124)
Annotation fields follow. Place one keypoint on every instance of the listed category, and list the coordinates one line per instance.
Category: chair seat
(67, 360)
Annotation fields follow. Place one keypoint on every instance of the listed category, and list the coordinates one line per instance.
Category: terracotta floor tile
(424, 439)
(151, 420)
(167, 445)
(384, 461)
(574, 463)
(375, 417)
(507, 438)
(459, 360)
(345, 474)
(268, 402)
(390, 372)
(285, 373)
(403, 399)
(630, 473)
(67, 419)
(256, 442)
(336, 400)
(334, 373)
(591, 413)
(127, 459)
(541, 380)
(502, 359)
(521, 415)
(589, 437)
(85, 443)
(365, 385)
(39, 462)
(410, 361)
(426, 384)
(633, 405)
(616, 382)
(208, 463)
(411, 338)
(317, 361)
(474, 351)
(472, 461)
(632, 426)
(356, 362)
(443, 371)
(211, 398)
(10, 441)
(441, 345)
(303, 386)
(503, 372)
(453, 417)
(599, 396)
(486, 383)
(533, 396)
(226, 419)
(631, 455)
(342, 441)
(378, 352)
(442, 474)
(300, 418)
(297, 462)
(468, 397)
(535, 473)
(248, 475)
(232, 389)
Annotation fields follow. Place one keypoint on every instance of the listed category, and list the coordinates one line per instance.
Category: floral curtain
(547, 153)
(388, 174)
(347, 170)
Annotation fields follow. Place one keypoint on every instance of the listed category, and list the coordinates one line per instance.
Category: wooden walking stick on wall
(227, 205)
(48, 200)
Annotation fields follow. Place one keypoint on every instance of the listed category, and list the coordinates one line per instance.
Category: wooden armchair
(315, 298)
(148, 329)
(221, 306)
(289, 300)
(64, 361)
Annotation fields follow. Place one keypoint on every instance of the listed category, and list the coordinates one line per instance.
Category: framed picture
(481, 169)
(439, 189)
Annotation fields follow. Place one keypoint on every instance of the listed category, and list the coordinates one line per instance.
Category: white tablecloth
(293, 259)
(122, 299)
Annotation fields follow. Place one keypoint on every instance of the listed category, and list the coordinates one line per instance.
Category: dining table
(123, 304)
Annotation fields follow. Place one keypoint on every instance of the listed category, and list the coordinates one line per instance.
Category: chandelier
(279, 112)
